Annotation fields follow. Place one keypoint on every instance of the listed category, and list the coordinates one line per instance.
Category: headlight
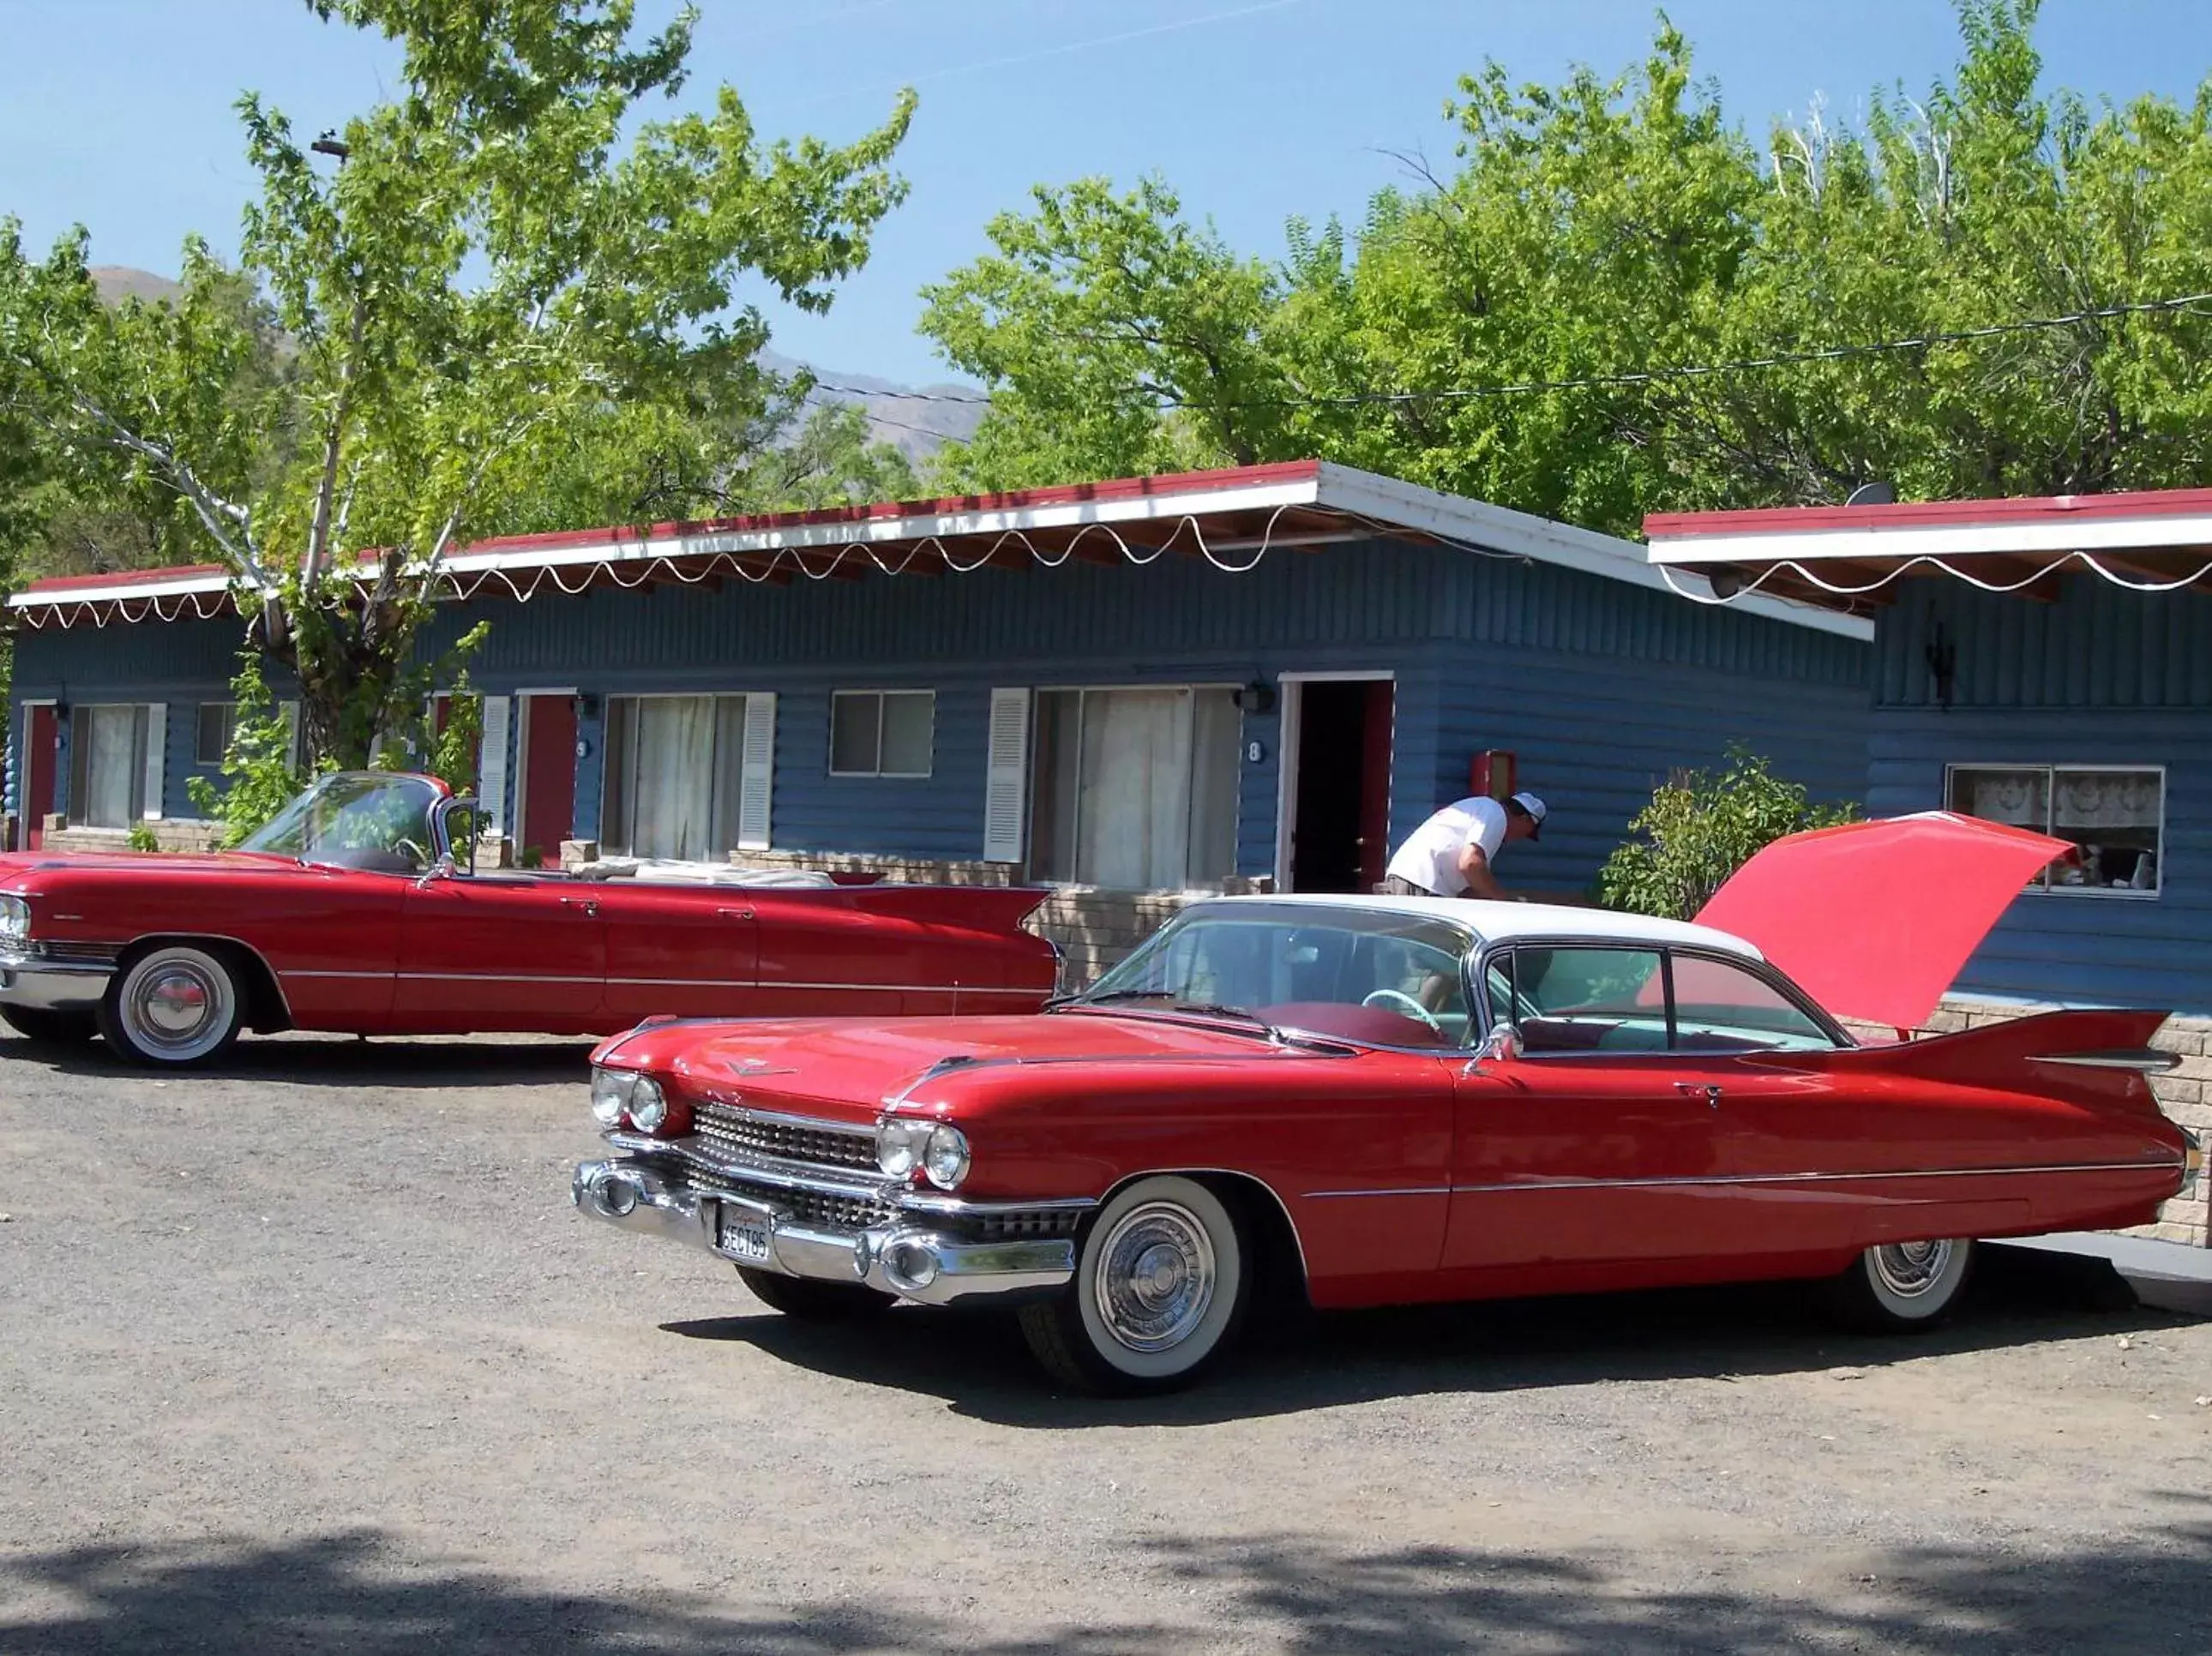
(899, 1145)
(611, 1094)
(649, 1105)
(14, 920)
(945, 1157)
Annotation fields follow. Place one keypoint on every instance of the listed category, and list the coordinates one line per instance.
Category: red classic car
(354, 911)
(1378, 1101)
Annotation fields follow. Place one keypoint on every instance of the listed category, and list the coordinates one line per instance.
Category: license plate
(743, 1232)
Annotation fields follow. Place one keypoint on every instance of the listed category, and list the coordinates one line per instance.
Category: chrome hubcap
(1155, 1276)
(178, 1007)
(1910, 1269)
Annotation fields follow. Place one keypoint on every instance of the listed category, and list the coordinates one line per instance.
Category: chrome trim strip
(952, 1207)
(781, 1119)
(1809, 1178)
(1414, 1190)
(2148, 1061)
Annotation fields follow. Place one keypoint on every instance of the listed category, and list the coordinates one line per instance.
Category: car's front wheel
(1901, 1286)
(176, 1004)
(814, 1302)
(47, 1028)
(1161, 1283)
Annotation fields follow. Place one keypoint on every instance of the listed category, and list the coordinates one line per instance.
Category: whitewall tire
(1901, 1286)
(174, 1005)
(1162, 1280)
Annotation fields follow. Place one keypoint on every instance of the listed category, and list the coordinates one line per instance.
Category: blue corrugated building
(2042, 661)
(1270, 674)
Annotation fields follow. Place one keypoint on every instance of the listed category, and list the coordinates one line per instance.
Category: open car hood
(1875, 919)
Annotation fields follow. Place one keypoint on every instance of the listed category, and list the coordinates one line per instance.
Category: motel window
(218, 723)
(109, 764)
(2114, 816)
(882, 733)
(1135, 788)
(677, 774)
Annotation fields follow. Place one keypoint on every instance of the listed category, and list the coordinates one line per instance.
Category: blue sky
(116, 113)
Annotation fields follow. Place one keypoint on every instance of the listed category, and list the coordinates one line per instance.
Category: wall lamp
(1257, 697)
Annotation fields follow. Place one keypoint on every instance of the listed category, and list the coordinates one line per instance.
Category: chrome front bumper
(902, 1256)
(42, 983)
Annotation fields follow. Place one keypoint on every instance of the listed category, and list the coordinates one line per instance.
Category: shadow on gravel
(976, 1362)
(361, 1592)
(343, 1061)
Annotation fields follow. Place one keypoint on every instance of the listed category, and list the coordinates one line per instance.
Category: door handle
(733, 913)
(589, 905)
(1712, 1091)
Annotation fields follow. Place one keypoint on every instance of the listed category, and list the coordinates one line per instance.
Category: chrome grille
(1036, 1223)
(818, 1209)
(735, 1134)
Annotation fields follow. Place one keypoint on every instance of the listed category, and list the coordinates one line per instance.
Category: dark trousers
(1396, 885)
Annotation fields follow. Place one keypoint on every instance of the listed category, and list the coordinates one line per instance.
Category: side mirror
(440, 869)
(1501, 1045)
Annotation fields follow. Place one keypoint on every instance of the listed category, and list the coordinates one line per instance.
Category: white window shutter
(157, 757)
(1005, 783)
(756, 773)
(492, 762)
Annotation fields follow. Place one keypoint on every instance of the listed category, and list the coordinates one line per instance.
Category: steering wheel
(413, 853)
(1396, 1000)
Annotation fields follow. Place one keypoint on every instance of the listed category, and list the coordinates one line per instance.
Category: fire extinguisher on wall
(1491, 775)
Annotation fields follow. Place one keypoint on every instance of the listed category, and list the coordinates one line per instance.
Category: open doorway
(41, 736)
(1336, 787)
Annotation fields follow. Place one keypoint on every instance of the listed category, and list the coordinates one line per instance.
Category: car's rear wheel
(1901, 1286)
(1162, 1280)
(174, 1005)
(49, 1027)
(812, 1301)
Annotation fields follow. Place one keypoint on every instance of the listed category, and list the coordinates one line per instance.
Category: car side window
(1720, 1007)
(1578, 999)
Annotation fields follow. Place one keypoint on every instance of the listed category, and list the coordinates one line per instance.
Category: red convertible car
(352, 911)
(1378, 1101)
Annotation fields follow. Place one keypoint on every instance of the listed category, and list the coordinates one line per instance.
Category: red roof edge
(1934, 514)
(125, 578)
(1167, 484)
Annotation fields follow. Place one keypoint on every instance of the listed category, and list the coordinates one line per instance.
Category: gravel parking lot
(312, 1354)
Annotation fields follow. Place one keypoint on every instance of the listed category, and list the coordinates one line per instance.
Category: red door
(1375, 716)
(491, 951)
(40, 741)
(549, 775)
(690, 950)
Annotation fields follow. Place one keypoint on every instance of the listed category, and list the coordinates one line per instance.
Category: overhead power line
(1642, 376)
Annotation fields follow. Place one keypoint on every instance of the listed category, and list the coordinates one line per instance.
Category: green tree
(1608, 230)
(1700, 827)
(507, 256)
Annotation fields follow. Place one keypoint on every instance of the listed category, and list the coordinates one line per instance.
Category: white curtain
(1134, 816)
(672, 769)
(113, 764)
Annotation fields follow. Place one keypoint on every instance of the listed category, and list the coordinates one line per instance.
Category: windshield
(1373, 975)
(360, 819)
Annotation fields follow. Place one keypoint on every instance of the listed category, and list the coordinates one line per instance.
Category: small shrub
(142, 837)
(1699, 828)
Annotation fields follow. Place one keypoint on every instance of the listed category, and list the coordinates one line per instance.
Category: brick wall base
(186, 833)
(2185, 1094)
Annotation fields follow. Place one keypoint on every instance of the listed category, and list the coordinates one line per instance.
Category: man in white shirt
(1450, 854)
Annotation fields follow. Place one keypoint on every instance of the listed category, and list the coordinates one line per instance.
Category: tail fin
(995, 908)
(2086, 1057)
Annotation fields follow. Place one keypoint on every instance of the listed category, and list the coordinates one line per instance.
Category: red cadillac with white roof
(1373, 1100)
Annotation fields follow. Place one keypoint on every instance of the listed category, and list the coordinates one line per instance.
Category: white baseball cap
(1536, 810)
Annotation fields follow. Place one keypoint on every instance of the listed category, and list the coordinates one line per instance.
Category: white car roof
(1495, 922)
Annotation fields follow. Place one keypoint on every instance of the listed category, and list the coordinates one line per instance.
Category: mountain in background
(918, 428)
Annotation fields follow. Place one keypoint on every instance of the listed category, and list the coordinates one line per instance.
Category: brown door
(547, 784)
(39, 744)
(1340, 829)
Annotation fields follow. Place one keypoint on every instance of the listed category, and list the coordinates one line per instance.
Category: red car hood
(845, 1068)
(1875, 919)
(15, 863)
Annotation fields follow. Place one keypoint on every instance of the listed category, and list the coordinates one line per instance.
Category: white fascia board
(2054, 539)
(894, 531)
(1522, 534)
(135, 591)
